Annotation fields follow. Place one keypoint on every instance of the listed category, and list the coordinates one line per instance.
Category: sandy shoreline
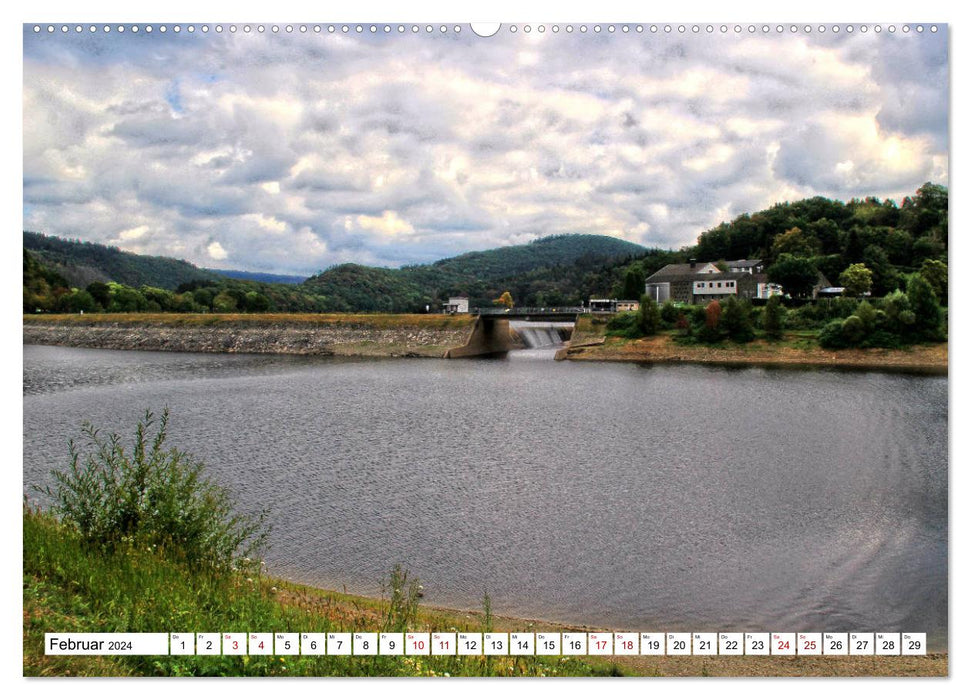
(450, 619)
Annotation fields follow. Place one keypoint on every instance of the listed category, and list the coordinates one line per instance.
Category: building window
(719, 285)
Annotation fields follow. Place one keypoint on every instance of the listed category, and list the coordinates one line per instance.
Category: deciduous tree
(856, 280)
(935, 272)
(796, 275)
(505, 299)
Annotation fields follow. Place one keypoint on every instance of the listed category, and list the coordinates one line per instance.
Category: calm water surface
(666, 497)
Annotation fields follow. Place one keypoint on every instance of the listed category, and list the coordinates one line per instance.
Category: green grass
(69, 587)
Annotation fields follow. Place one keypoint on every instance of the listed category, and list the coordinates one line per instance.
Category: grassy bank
(378, 321)
(796, 348)
(68, 587)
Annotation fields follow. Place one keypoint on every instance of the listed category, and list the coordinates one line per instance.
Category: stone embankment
(331, 334)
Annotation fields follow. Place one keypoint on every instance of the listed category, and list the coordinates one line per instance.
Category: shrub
(711, 331)
(404, 594)
(817, 314)
(831, 336)
(713, 314)
(773, 316)
(648, 316)
(682, 325)
(624, 325)
(736, 320)
(899, 317)
(853, 330)
(697, 315)
(670, 313)
(151, 496)
(867, 315)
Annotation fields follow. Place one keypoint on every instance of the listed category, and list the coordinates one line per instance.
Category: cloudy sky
(291, 153)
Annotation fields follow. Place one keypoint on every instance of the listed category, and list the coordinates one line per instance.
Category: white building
(456, 305)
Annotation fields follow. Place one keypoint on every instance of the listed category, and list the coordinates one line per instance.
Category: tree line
(47, 291)
(868, 246)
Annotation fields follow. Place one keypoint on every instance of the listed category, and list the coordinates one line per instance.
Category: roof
(683, 272)
(743, 263)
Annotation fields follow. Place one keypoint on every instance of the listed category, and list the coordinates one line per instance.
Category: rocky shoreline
(358, 338)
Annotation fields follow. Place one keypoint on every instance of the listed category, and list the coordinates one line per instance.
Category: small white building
(613, 305)
(456, 305)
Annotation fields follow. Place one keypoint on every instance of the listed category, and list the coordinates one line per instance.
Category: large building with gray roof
(699, 283)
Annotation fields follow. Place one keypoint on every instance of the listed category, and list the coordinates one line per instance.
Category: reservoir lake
(639, 497)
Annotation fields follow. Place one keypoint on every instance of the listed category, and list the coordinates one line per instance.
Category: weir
(499, 333)
(537, 335)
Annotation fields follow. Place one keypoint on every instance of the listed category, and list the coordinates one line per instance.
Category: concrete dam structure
(494, 334)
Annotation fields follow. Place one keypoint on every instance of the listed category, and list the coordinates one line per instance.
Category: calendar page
(448, 349)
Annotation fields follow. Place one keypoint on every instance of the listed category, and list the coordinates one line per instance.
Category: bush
(682, 325)
(670, 313)
(736, 320)
(711, 331)
(854, 329)
(152, 497)
(648, 316)
(820, 312)
(625, 325)
(697, 315)
(773, 317)
(831, 336)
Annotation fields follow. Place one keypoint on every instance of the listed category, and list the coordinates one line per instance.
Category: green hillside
(82, 263)
(551, 271)
(71, 276)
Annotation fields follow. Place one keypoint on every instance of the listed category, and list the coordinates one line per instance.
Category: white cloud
(216, 251)
(388, 224)
(298, 152)
(133, 233)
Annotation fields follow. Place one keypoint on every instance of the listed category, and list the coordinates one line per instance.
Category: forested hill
(82, 263)
(892, 240)
(64, 275)
(268, 277)
(551, 271)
